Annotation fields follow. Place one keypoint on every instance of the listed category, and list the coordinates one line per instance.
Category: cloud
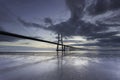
(29, 24)
(99, 11)
(89, 18)
(112, 39)
(101, 6)
(104, 35)
(79, 28)
(76, 7)
(115, 4)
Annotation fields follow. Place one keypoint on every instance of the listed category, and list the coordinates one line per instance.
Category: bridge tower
(60, 45)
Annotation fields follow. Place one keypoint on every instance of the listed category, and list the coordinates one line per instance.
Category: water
(49, 67)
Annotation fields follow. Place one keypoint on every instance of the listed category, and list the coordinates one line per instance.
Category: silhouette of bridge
(60, 46)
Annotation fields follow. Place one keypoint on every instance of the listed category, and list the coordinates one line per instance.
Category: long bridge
(59, 44)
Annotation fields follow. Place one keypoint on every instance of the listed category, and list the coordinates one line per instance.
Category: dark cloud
(64, 28)
(101, 6)
(76, 7)
(29, 24)
(103, 35)
(76, 26)
(115, 4)
(112, 39)
(79, 28)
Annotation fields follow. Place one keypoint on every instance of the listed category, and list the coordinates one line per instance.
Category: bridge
(60, 46)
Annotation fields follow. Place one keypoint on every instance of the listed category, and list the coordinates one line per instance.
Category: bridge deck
(30, 38)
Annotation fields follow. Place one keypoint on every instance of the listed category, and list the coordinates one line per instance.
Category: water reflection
(97, 67)
(70, 67)
(60, 67)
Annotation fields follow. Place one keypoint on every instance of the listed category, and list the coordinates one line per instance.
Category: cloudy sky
(83, 23)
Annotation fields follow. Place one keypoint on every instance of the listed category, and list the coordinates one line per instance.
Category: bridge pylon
(60, 45)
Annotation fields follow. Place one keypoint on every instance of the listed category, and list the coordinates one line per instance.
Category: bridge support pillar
(64, 49)
(60, 45)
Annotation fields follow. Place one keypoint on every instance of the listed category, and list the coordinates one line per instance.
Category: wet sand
(34, 67)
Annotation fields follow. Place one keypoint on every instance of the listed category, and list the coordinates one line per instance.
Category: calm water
(49, 67)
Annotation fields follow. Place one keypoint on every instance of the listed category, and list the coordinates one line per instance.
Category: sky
(83, 23)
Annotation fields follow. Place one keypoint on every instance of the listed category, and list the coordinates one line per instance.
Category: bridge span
(59, 44)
